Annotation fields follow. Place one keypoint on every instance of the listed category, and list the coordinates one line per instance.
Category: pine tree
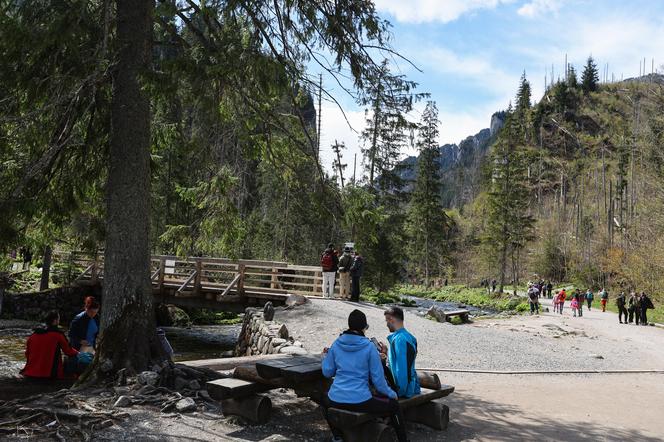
(590, 77)
(509, 223)
(572, 80)
(426, 218)
(522, 112)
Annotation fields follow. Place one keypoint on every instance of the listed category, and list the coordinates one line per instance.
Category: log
(255, 408)
(433, 414)
(232, 388)
(370, 432)
(250, 373)
(427, 380)
(231, 363)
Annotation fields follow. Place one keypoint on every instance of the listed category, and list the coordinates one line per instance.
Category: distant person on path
(549, 289)
(562, 297)
(353, 360)
(555, 303)
(329, 261)
(43, 351)
(27, 258)
(345, 263)
(621, 301)
(575, 305)
(634, 308)
(401, 354)
(603, 298)
(646, 304)
(84, 327)
(589, 298)
(533, 298)
(494, 283)
(580, 298)
(356, 271)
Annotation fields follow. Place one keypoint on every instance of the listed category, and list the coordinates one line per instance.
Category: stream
(423, 304)
(196, 342)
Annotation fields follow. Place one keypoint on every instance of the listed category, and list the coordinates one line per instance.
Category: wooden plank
(271, 369)
(231, 363)
(186, 283)
(230, 286)
(230, 388)
(303, 373)
(426, 395)
(457, 312)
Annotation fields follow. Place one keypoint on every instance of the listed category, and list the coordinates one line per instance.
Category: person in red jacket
(44, 350)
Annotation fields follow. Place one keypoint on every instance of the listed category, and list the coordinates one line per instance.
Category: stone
(148, 378)
(180, 383)
(268, 311)
(185, 405)
(437, 313)
(204, 394)
(293, 351)
(278, 341)
(194, 385)
(597, 356)
(121, 377)
(122, 401)
(297, 344)
(283, 331)
(293, 300)
(171, 315)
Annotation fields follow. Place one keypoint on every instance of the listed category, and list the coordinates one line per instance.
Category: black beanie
(357, 320)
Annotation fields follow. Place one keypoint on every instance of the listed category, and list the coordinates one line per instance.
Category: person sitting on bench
(401, 354)
(353, 360)
(44, 350)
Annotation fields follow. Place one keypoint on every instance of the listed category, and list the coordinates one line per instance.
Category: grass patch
(477, 297)
(381, 298)
(209, 317)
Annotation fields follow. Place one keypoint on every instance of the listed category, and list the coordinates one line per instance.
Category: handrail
(186, 283)
(230, 286)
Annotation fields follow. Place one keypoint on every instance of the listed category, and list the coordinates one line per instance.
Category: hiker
(634, 308)
(84, 327)
(646, 304)
(580, 298)
(356, 270)
(329, 261)
(353, 360)
(345, 262)
(401, 354)
(555, 303)
(622, 311)
(549, 289)
(533, 298)
(604, 298)
(562, 297)
(493, 285)
(43, 351)
(589, 298)
(575, 305)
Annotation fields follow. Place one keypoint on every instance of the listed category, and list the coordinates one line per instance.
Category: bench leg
(432, 414)
(255, 408)
(372, 431)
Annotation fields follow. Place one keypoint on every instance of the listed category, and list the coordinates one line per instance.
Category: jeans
(634, 315)
(378, 405)
(534, 306)
(328, 284)
(590, 303)
(580, 308)
(644, 316)
(622, 313)
(355, 288)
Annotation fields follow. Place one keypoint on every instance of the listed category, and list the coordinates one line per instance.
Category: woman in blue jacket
(84, 328)
(353, 360)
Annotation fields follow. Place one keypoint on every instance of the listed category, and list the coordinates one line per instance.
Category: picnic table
(242, 395)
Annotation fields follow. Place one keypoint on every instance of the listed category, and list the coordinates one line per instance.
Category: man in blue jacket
(401, 354)
(353, 360)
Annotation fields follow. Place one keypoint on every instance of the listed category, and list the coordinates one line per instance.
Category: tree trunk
(128, 337)
(46, 268)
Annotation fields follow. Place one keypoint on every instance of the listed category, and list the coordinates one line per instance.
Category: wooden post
(240, 283)
(162, 270)
(274, 280)
(197, 278)
(433, 414)
(318, 286)
(95, 265)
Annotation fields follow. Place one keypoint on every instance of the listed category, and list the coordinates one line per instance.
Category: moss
(209, 317)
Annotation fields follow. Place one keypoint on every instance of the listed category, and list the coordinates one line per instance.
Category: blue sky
(472, 53)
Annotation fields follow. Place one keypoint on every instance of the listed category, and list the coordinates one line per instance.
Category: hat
(357, 320)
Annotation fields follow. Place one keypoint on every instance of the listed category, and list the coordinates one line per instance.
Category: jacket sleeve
(399, 364)
(328, 365)
(66, 348)
(378, 375)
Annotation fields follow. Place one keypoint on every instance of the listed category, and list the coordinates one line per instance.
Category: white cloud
(422, 11)
(540, 7)
(334, 127)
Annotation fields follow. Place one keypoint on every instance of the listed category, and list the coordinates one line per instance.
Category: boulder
(122, 401)
(437, 313)
(170, 315)
(148, 378)
(185, 405)
(292, 300)
(268, 311)
(283, 332)
(290, 350)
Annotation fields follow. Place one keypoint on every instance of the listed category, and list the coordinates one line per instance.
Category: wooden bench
(462, 313)
(445, 315)
(424, 408)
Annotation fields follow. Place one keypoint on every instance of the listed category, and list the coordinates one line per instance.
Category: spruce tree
(590, 77)
(522, 112)
(426, 218)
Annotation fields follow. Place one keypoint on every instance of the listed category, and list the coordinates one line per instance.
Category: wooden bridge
(215, 283)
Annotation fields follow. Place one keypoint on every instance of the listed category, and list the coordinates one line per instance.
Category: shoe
(621, 322)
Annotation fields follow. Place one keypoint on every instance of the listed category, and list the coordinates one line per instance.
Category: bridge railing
(212, 277)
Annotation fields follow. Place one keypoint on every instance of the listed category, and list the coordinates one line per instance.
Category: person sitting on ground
(84, 327)
(401, 354)
(43, 351)
(353, 360)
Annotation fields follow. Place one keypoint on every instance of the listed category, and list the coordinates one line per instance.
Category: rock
(204, 394)
(437, 314)
(268, 311)
(148, 378)
(106, 366)
(597, 356)
(293, 351)
(180, 383)
(194, 385)
(276, 342)
(123, 401)
(283, 332)
(293, 300)
(171, 315)
(121, 377)
(185, 405)
(297, 344)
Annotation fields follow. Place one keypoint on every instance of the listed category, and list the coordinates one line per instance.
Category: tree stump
(255, 408)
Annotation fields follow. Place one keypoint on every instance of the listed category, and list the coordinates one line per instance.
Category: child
(555, 303)
(574, 305)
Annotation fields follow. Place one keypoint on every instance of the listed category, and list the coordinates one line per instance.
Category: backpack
(327, 261)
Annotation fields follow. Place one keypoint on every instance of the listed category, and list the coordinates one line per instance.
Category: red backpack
(327, 261)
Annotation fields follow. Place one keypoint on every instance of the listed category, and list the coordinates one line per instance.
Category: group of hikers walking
(349, 266)
(632, 309)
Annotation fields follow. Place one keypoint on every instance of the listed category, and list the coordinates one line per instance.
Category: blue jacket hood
(350, 342)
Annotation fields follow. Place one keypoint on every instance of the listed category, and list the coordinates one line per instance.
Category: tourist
(84, 327)
(493, 285)
(549, 289)
(345, 263)
(646, 304)
(329, 262)
(353, 361)
(603, 298)
(44, 350)
(533, 298)
(634, 308)
(580, 298)
(622, 311)
(401, 354)
(356, 271)
(575, 304)
(555, 303)
(589, 298)
(562, 297)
